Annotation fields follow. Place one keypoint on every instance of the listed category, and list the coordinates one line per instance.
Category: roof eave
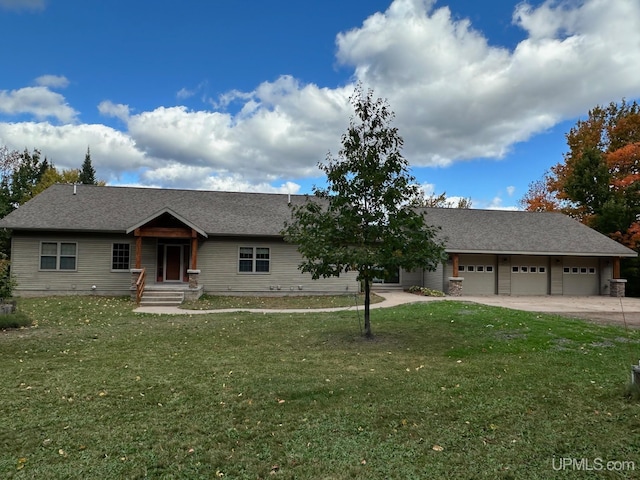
(630, 254)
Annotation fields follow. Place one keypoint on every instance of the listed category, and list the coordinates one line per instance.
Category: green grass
(14, 320)
(96, 391)
(212, 302)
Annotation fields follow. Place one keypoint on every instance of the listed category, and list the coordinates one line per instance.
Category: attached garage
(524, 253)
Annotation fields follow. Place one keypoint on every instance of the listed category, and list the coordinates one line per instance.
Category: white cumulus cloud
(456, 97)
(116, 110)
(53, 81)
(38, 101)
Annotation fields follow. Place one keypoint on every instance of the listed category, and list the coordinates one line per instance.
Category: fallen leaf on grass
(437, 448)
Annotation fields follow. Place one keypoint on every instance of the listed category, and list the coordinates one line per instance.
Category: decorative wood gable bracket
(188, 230)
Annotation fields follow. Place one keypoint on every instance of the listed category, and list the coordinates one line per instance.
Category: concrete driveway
(602, 309)
(598, 308)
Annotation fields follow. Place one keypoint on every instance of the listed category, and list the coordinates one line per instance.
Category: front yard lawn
(445, 390)
(215, 302)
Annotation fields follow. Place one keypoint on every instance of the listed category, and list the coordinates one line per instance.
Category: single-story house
(83, 239)
(99, 239)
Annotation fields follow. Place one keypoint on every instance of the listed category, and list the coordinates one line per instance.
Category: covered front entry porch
(166, 254)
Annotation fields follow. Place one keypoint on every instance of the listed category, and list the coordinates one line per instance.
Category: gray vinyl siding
(434, 280)
(606, 274)
(555, 272)
(218, 262)
(448, 272)
(504, 275)
(409, 279)
(149, 258)
(93, 266)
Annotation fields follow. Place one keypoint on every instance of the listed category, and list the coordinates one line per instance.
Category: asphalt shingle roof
(117, 209)
(517, 232)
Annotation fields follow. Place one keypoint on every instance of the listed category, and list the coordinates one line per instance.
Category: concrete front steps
(161, 297)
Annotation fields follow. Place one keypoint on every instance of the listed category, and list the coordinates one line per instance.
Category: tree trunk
(367, 302)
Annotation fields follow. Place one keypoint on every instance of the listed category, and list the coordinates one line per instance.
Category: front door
(173, 263)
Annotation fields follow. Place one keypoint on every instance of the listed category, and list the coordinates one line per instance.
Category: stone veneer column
(194, 276)
(617, 287)
(455, 286)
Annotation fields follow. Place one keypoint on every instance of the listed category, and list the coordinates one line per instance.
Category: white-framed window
(480, 268)
(254, 260)
(461, 268)
(488, 269)
(120, 256)
(471, 268)
(515, 269)
(533, 269)
(542, 269)
(524, 269)
(592, 270)
(58, 255)
(575, 270)
(566, 270)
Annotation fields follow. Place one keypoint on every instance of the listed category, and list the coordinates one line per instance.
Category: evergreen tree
(87, 172)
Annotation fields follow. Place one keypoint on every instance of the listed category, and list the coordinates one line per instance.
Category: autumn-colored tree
(599, 180)
(539, 198)
(52, 176)
(600, 174)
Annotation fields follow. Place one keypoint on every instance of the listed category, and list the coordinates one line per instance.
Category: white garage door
(580, 276)
(479, 273)
(529, 275)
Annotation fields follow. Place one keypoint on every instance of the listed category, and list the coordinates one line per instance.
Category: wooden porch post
(456, 262)
(616, 267)
(138, 248)
(194, 250)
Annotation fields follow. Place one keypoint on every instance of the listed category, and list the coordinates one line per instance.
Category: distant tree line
(25, 174)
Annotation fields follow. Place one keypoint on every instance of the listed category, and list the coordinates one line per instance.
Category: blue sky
(251, 95)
